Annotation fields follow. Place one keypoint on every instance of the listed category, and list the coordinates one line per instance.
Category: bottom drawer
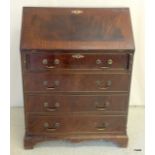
(73, 123)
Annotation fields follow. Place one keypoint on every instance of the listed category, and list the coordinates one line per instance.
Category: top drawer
(51, 61)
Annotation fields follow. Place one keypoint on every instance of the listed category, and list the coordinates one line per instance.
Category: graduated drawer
(74, 123)
(51, 61)
(75, 82)
(76, 103)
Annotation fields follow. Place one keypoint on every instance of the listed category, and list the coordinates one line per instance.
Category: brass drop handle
(109, 62)
(51, 129)
(50, 67)
(107, 85)
(104, 67)
(102, 127)
(51, 109)
(104, 88)
(50, 88)
(54, 127)
(45, 62)
(55, 85)
(102, 108)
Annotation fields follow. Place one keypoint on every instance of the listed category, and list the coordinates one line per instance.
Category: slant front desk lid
(76, 28)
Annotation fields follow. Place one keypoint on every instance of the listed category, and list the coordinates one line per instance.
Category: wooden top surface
(76, 28)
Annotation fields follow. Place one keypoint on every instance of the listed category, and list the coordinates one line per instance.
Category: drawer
(75, 82)
(73, 123)
(76, 103)
(48, 61)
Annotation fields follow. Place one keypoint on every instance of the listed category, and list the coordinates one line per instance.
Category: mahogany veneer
(76, 68)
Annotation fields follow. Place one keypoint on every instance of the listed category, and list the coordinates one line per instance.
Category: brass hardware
(53, 128)
(104, 88)
(50, 88)
(45, 104)
(101, 128)
(98, 61)
(57, 104)
(98, 82)
(107, 85)
(57, 125)
(104, 67)
(45, 83)
(56, 83)
(56, 61)
(78, 56)
(50, 67)
(102, 108)
(51, 108)
(45, 61)
(110, 61)
(46, 125)
(99, 107)
(77, 12)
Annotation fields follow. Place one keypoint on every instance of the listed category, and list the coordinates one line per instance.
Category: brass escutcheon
(77, 12)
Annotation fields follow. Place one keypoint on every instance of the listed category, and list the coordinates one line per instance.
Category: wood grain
(76, 69)
(58, 28)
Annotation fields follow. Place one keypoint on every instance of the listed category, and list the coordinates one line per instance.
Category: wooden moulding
(119, 140)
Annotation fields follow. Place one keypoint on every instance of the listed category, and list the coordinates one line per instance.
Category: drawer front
(47, 61)
(77, 82)
(73, 123)
(76, 103)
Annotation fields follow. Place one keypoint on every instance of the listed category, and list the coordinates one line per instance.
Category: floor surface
(135, 133)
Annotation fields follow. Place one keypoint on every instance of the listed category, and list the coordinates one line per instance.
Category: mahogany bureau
(76, 69)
